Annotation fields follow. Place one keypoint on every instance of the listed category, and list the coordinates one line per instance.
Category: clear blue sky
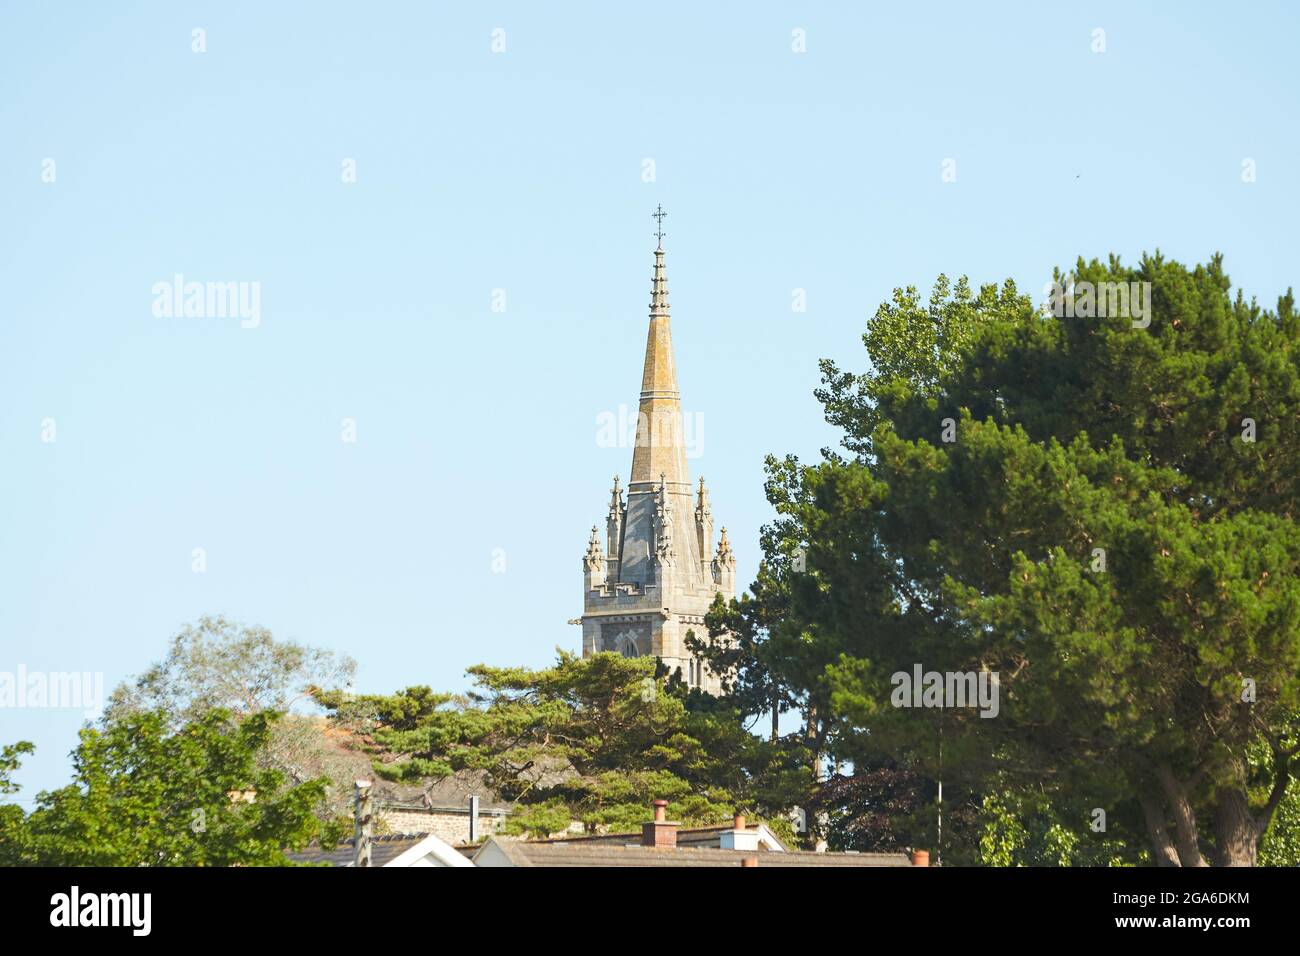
(522, 171)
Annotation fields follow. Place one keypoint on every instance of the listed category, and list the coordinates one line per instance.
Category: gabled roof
(398, 850)
(431, 851)
(382, 849)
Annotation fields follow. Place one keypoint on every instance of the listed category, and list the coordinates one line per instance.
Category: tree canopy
(590, 740)
(217, 663)
(143, 794)
(1092, 511)
(1100, 512)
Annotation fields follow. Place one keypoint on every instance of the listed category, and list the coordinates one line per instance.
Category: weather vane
(658, 217)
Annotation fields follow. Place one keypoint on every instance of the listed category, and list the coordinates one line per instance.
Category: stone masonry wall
(448, 823)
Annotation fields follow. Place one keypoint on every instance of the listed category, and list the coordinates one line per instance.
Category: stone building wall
(448, 823)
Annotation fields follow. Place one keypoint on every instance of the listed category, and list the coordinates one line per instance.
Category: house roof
(598, 853)
(700, 837)
(383, 850)
(431, 851)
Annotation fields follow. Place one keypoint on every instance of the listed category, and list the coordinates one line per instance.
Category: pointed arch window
(627, 645)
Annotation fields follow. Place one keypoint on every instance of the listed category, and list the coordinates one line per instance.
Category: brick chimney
(920, 857)
(738, 837)
(660, 832)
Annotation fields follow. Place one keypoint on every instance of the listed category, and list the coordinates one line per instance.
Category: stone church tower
(652, 575)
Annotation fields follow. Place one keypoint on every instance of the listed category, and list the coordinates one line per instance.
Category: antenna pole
(938, 849)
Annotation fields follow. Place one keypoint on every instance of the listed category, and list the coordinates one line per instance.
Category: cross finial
(658, 217)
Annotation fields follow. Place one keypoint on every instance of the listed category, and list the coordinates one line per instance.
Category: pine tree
(1100, 507)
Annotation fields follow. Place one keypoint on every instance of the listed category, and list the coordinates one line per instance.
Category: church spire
(658, 573)
(660, 448)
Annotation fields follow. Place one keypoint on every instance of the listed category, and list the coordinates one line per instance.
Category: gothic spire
(658, 573)
(593, 559)
(614, 522)
(659, 442)
(704, 529)
(725, 558)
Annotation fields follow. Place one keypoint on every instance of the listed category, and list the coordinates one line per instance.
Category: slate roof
(601, 854)
(698, 837)
(382, 850)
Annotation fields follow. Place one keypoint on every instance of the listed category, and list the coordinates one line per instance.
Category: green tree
(1101, 511)
(592, 740)
(13, 830)
(1280, 844)
(145, 795)
(1036, 828)
(218, 663)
